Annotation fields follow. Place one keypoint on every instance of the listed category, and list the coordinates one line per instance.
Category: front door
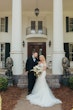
(40, 47)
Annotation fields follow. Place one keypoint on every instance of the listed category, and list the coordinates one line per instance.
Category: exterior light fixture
(36, 9)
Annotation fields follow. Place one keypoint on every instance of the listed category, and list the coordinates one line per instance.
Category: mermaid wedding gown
(41, 94)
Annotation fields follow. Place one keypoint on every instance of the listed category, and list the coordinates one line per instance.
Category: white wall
(6, 36)
(48, 22)
(68, 36)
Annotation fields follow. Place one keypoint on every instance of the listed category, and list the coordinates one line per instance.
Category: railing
(36, 31)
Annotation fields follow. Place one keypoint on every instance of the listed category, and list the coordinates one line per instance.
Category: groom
(30, 63)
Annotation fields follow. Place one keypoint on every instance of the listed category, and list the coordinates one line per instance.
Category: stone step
(52, 80)
(22, 81)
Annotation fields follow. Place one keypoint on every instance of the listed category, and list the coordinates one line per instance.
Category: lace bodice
(42, 64)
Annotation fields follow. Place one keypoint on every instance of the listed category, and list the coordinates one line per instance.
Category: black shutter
(6, 24)
(7, 51)
(66, 49)
(67, 24)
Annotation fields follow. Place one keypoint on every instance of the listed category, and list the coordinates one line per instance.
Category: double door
(40, 47)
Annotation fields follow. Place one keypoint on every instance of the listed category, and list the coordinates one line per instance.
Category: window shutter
(66, 49)
(67, 24)
(6, 24)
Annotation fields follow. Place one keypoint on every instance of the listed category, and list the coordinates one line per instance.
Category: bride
(41, 94)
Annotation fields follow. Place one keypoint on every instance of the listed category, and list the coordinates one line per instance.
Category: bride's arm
(44, 67)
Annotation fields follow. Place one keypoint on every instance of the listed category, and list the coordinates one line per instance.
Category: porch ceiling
(30, 5)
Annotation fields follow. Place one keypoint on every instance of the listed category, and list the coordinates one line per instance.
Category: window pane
(32, 25)
(2, 21)
(71, 24)
(39, 25)
(2, 28)
(2, 24)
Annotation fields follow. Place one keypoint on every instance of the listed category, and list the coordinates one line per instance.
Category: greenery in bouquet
(37, 70)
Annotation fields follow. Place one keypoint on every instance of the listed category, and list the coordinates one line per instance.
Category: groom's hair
(34, 52)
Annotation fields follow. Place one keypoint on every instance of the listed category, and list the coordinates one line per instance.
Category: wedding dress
(41, 94)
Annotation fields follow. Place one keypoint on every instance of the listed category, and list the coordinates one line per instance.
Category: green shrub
(71, 82)
(3, 84)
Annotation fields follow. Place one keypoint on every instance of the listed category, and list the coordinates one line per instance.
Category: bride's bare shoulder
(39, 62)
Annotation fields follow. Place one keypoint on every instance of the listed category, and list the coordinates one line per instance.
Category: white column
(58, 52)
(16, 45)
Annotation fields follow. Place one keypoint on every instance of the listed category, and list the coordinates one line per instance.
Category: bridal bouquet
(37, 70)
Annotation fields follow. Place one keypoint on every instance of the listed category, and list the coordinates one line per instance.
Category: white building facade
(48, 33)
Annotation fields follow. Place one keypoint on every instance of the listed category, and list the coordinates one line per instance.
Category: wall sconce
(49, 43)
(23, 43)
(36, 11)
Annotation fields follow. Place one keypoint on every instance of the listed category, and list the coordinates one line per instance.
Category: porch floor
(23, 104)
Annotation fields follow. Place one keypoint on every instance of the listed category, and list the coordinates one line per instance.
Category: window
(71, 51)
(68, 48)
(4, 24)
(39, 25)
(36, 24)
(69, 24)
(32, 25)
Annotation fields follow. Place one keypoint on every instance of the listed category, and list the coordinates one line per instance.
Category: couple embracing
(39, 92)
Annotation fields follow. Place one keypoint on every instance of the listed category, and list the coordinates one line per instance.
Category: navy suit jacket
(30, 63)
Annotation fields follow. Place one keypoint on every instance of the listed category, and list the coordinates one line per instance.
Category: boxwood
(71, 82)
(3, 83)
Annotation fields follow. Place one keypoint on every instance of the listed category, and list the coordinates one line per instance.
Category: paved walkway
(23, 104)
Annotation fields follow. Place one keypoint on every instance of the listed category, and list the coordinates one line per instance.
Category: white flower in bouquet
(37, 70)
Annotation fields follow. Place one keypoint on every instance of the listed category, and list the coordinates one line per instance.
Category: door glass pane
(40, 51)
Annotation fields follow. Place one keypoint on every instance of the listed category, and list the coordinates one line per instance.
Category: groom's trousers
(31, 81)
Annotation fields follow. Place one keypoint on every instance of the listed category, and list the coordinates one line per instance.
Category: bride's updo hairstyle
(42, 58)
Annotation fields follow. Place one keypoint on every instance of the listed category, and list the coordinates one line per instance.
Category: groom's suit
(30, 63)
